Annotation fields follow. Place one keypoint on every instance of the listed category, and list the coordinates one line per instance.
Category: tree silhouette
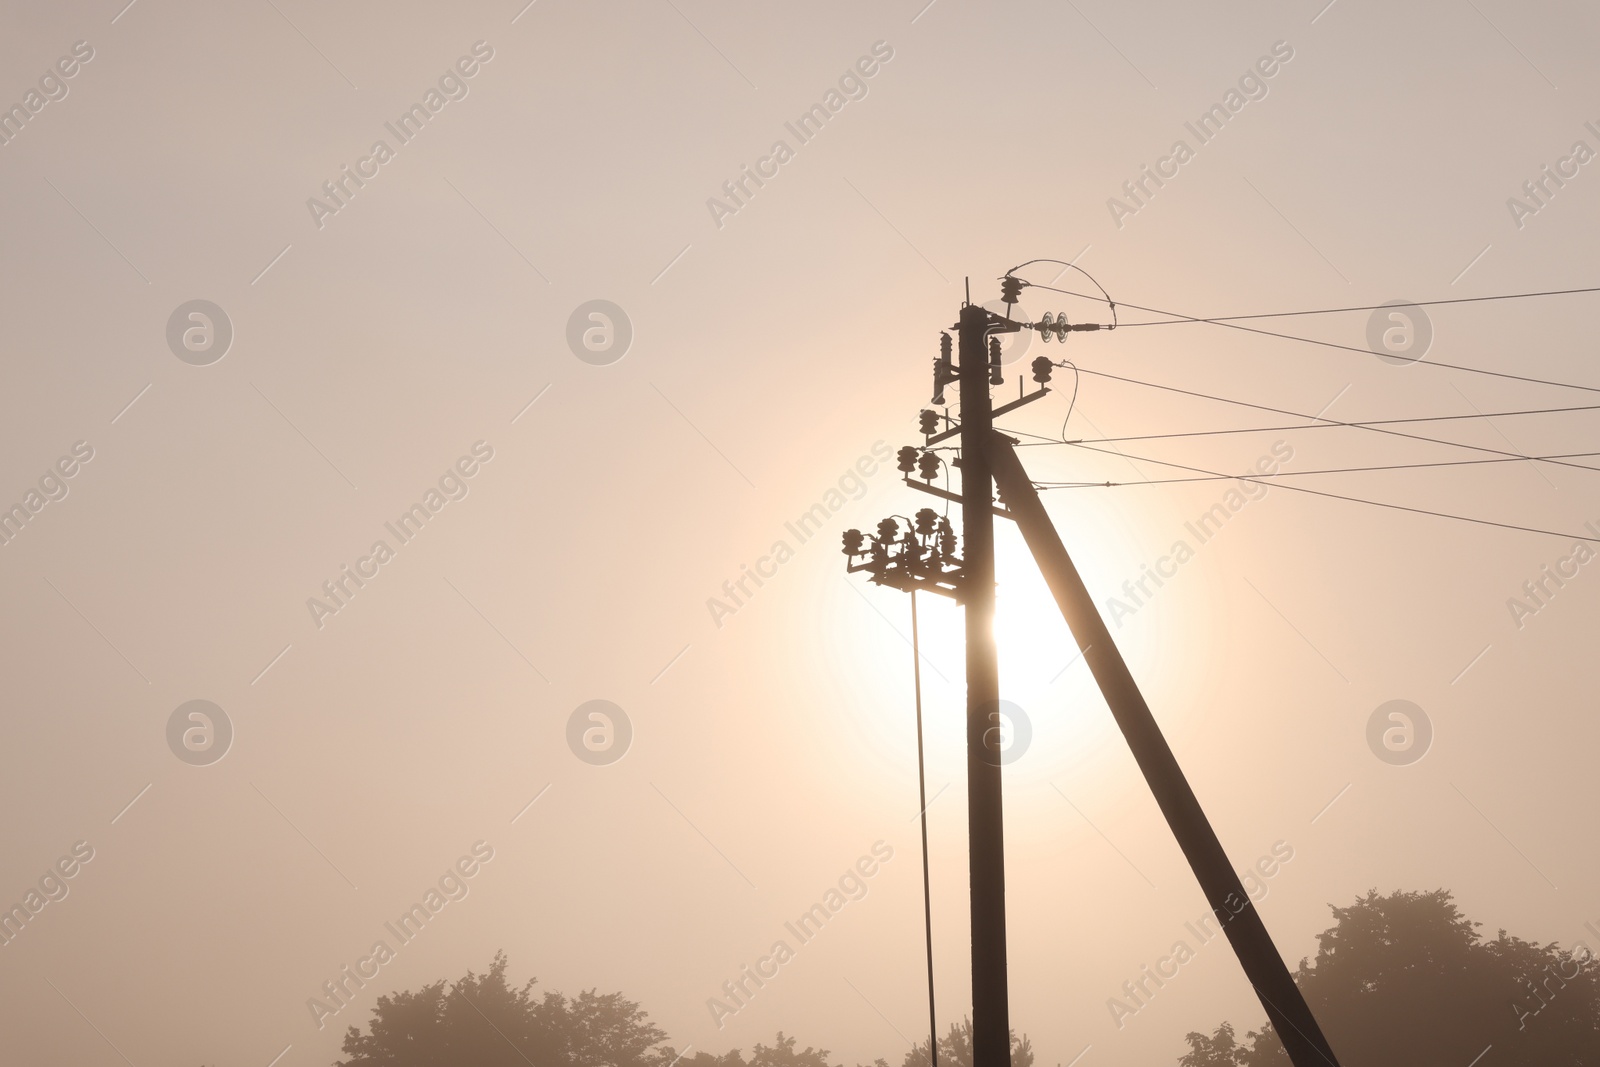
(1406, 979)
(955, 1049)
(731, 1058)
(483, 1021)
(779, 1054)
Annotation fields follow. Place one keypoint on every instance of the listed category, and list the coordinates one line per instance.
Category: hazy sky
(404, 340)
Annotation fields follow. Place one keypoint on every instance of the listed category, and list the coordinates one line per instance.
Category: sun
(1072, 737)
(1041, 668)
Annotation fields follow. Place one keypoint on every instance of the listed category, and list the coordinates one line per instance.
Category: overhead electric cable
(922, 795)
(1321, 425)
(1333, 344)
(1316, 419)
(1357, 307)
(1291, 474)
(1355, 499)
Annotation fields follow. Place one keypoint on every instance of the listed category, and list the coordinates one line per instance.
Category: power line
(1322, 426)
(1303, 415)
(1359, 307)
(1335, 345)
(1294, 474)
(1355, 499)
(922, 796)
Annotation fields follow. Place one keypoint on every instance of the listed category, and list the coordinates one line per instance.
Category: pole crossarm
(1291, 1017)
(945, 494)
(908, 555)
(955, 431)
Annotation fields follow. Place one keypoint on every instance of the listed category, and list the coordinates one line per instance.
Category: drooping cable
(1073, 402)
(1066, 264)
(922, 797)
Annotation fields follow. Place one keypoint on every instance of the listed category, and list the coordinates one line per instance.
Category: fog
(437, 545)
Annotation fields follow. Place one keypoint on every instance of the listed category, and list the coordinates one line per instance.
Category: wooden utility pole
(924, 556)
(986, 850)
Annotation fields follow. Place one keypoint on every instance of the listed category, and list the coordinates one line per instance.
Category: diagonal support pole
(1286, 1008)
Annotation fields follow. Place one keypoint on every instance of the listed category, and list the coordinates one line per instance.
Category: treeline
(1398, 980)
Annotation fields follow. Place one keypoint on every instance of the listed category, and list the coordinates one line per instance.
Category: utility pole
(986, 850)
(923, 556)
